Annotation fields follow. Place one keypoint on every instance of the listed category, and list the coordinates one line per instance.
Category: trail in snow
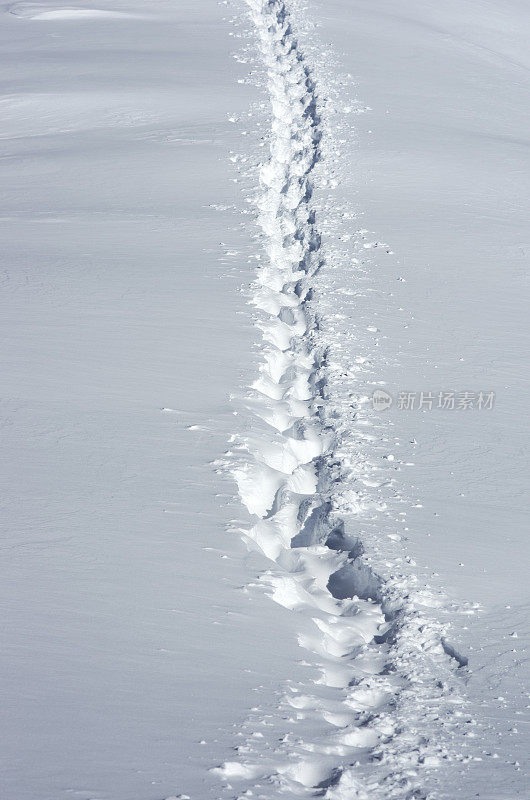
(385, 700)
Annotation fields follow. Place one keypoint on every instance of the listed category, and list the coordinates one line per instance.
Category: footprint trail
(384, 698)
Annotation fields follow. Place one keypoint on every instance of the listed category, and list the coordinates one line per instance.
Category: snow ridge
(383, 670)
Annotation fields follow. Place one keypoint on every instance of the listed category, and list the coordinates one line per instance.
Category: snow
(24, 10)
(126, 620)
(360, 169)
(441, 175)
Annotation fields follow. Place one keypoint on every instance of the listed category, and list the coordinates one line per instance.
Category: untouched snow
(376, 213)
(126, 624)
(441, 174)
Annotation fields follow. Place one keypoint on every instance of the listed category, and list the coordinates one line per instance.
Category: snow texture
(378, 226)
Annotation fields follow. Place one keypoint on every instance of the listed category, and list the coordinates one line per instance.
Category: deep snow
(441, 175)
(126, 625)
(137, 633)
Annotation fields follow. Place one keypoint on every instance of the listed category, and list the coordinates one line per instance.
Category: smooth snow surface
(354, 624)
(128, 636)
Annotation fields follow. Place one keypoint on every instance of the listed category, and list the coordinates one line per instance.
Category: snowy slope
(126, 626)
(377, 215)
(442, 175)
(402, 298)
